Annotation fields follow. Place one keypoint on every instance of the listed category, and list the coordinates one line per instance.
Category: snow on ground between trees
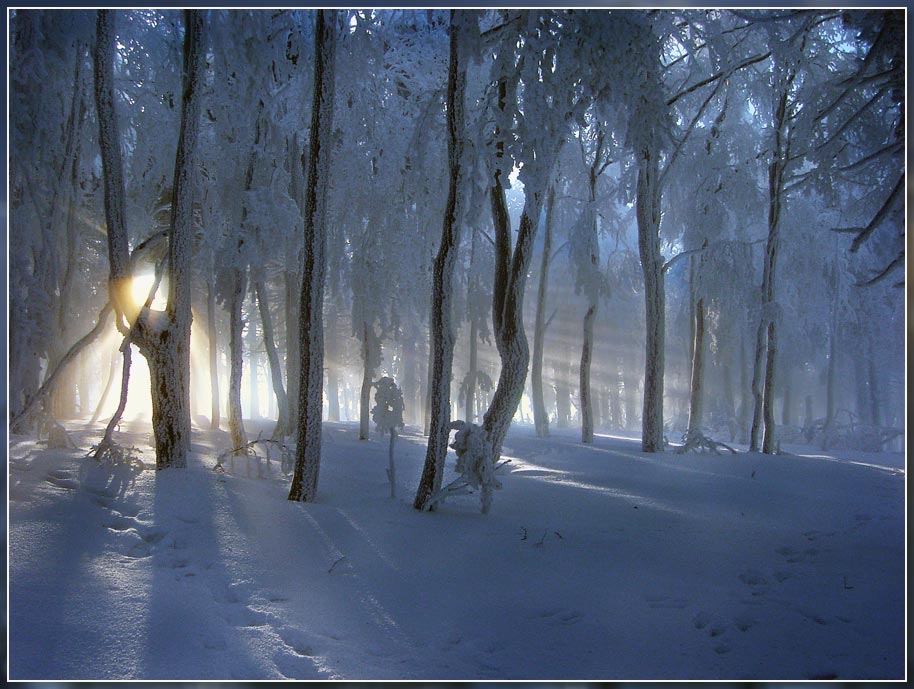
(595, 562)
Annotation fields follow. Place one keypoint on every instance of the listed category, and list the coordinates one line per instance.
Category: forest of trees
(687, 224)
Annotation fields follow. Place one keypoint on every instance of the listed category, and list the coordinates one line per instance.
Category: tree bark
(696, 394)
(282, 428)
(371, 359)
(648, 217)
(162, 337)
(540, 415)
(586, 401)
(763, 408)
(442, 331)
(236, 354)
(308, 448)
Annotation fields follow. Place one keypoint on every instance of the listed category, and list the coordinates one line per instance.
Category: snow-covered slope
(594, 563)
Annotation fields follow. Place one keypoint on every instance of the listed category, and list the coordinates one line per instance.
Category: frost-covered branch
(863, 233)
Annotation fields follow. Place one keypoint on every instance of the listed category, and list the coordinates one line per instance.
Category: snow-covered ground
(595, 563)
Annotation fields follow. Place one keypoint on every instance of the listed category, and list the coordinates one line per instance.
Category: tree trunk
(292, 281)
(253, 365)
(308, 449)
(371, 359)
(163, 338)
(562, 393)
(540, 415)
(763, 408)
(212, 336)
(769, 444)
(282, 428)
(648, 217)
(442, 331)
(236, 354)
(586, 402)
(696, 399)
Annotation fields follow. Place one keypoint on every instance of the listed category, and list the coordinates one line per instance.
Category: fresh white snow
(596, 562)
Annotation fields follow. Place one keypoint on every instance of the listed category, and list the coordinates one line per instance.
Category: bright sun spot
(139, 291)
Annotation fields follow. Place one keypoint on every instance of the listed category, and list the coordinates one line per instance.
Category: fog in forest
(775, 211)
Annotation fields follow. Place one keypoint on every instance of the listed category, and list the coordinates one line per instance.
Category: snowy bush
(388, 417)
(475, 464)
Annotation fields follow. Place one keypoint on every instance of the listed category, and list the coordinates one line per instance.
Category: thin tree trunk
(540, 415)
(696, 393)
(648, 217)
(586, 401)
(266, 320)
(442, 332)
(108, 438)
(769, 445)
(236, 354)
(370, 361)
(763, 408)
(308, 449)
(292, 281)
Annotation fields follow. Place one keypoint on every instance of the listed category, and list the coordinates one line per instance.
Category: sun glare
(140, 286)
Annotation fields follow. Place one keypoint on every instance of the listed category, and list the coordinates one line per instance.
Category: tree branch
(724, 73)
(863, 233)
(678, 257)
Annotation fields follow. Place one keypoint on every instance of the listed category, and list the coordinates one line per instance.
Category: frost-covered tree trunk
(292, 282)
(442, 330)
(282, 428)
(586, 400)
(540, 415)
(253, 362)
(648, 216)
(696, 393)
(311, 325)
(764, 397)
(212, 335)
(371, 359)
(163, 337)
(236, 357)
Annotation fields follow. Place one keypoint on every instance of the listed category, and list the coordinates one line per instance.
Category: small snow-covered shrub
(388, 417)
(475, 464)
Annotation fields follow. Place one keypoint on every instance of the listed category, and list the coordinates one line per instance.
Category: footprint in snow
(701, 619)
(744, 622)
(556, 617)
(756, 581)
(65, 483)
(661, 601)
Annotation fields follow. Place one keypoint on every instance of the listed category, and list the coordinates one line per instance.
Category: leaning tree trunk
(282, 428)
(442, 332)
(311, 323)
(648, 216)
(540, 415)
